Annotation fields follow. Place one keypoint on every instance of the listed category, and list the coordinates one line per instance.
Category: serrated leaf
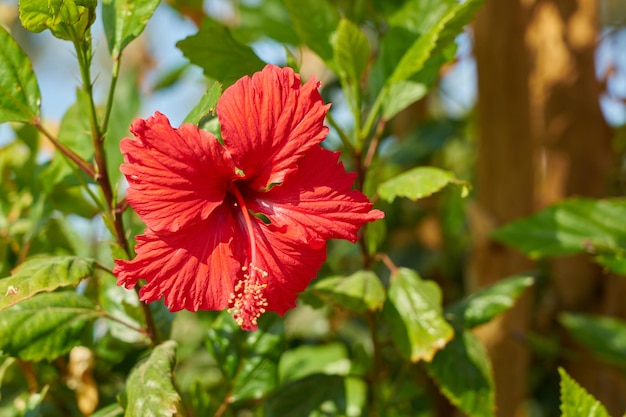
(306, 395)
(206, 105)
(417, 183)
(249, 359)
(19, 92)
(314, 21)
(66, 19)
(485, 304)
(413, 314)
(576, 401)
(221, 57)
(605, 337)
(149, 388)
(46, 326)
(124, 20)
(44, 273)
(351, 51)
(359, 292)
(463, 372)
(449, 23)
(571, 226)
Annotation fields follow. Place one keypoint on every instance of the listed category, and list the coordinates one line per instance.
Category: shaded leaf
(306, 395)
(401, 95)
(66, 19)
(328, 359)
(44, 273)
(123, 305)
(124, 20)
(314, 21)
(605, 337)
(221, 57)
(149, 388)
(413, 314)
(351, 50)
(417, 183)
(359, 292)
(19, 92)
(33, 404)
(485, 304)
(249, 360)
(463, 372)
(576, 401)
(568, 227)
(206, 105)
(46, 326)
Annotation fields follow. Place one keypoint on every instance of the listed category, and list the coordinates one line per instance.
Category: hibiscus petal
(195, 269)
(176, 176)
(269, 121)
(317, 201)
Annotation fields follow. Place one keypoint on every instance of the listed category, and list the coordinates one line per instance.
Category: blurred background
(531, 111)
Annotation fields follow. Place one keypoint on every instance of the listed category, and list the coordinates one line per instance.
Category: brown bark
(542, 137)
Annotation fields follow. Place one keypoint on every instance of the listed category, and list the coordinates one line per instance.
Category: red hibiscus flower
(243, 223)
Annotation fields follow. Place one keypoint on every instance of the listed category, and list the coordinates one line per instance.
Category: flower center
(247, 301)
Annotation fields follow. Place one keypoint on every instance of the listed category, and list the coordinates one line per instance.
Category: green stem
(114, 76)
(85, 166)
(373, 114)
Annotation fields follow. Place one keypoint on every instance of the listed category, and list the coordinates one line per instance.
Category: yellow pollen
(247, 301)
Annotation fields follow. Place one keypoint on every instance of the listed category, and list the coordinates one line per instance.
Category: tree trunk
(542, 137)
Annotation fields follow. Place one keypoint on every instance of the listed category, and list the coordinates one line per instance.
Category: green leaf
(123, 305)
(576, 401)
(463, 372)
(448, 25)
(314, 21)
(206, 105)
(221, 57)
(149, 388)
(413, 313)
(571, 226)
(43, 273)
(485, 304)
(305, 360)
(66, 19)
(248, 359)
(605, 337)
(33, 404)
(304, 396)
(401, 95)
(417, 183)
(359, 292)
(124, 20)
(46, 326)
(19, 92)
(111, 410)
(351, 51)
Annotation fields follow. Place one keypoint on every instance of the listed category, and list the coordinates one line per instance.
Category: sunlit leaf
(206, 105)
(605, 337)
(314, 21)
(359, 292)
(413, 314)
(149, 388)
(449, 23)
(576, 401)
(124, 20)
(19, 92)
(571, 226)
(485, 304)
(463, 372)
(351, 51)
(112, 410)
(44, 273)
(417, 183)
(401, 95)
(46, 326)
(306, 395)
(66, 19)
(221, 57)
